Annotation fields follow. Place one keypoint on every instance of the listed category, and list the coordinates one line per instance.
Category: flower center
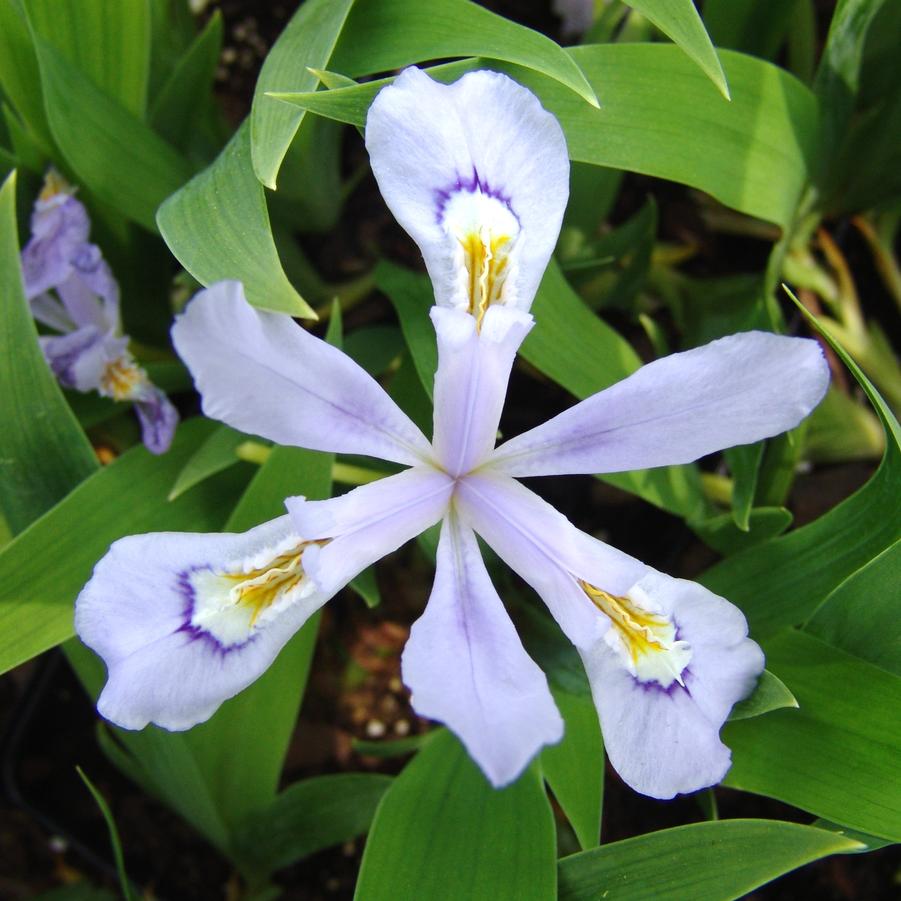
(233, 602)
(645, 639)
(486, 231)
(121, 378)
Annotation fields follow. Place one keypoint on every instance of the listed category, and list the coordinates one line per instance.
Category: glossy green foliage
(310, 815)
(218, 227)
(715, 861)
(106, 40)
(36, 600)
(436, 832)
(835, 756)
(661, 116)
(376, 35)
(42, 448)
(680, 21)
(574, 768)
(860, 615)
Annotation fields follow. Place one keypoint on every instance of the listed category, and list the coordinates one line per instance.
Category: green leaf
(781, 582)
(411, 295)
(439, 829)
(723, 535)
(43, 451)
(214, 455)
(311, 815)
(217, 226)
(366, 586)
(744, 463)
(307, 42)
(123, 162)
(379, 35)
(46, 565)
(836, 756)
(20, 77)
(770, 694)
(838, 76)
(174, 109)
(861, 615)
(715, 861)
(661, 116)
(389, 34)
(106, 40)
(374, 347)
(680, 22)
(749, 25)
(118, 856)
(574, 768)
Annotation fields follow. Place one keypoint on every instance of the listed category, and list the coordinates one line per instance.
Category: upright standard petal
(735, 390)
(471, 382)
(186, 621)
(59, 226)
(478, 173)
(262, 373)
(467, 668)
(360, 527)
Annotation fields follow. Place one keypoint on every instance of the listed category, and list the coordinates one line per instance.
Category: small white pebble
(402, 727)
(375, 729)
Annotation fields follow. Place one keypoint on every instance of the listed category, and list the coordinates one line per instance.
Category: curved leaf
(218, 227)
(715, 861)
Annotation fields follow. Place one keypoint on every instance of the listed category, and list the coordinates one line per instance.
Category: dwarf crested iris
(71, 290)
(477, 173)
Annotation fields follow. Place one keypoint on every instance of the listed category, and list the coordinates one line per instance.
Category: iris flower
(72, 290)
(477, 173)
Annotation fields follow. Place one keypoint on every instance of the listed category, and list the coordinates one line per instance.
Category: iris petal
(467, 667)
(735, 390)
(475, 159)
(262, 373)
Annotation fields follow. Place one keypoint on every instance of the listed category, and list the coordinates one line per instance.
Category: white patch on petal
(122, 378)
(485, 231)
(643, 635)
(231, 603)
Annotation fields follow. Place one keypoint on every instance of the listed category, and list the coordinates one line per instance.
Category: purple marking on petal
(196, 633)
(673, 688)
(470, 185)
(158, 418)
(63, 353)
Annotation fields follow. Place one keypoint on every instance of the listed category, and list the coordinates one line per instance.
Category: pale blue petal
(78, 359)
(471, 382)
(664, 742)
(58, 227)
(467, 668)
(483, 134)
(368, 522)
(736, 390)
(136, 614)
(262, 373)
(158, 418)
